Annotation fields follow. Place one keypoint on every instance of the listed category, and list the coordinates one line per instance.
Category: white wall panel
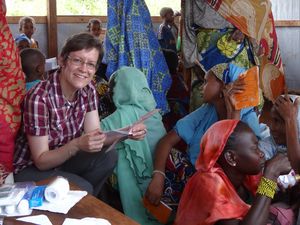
(289, 39)
(286, 9)
(40, 35)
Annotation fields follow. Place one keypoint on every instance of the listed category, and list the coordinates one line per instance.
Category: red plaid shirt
(48, 112)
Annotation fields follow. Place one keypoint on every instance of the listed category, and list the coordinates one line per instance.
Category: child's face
(28, 29)
(95, 29)
(277, 128)
(23, 44)
(169, 17)
(211, 88)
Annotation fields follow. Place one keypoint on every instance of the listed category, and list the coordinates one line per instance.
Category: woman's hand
(155, 189)
(92, 141)
(229, 90)
(138, 131)
(237, 36)
(276, 166)
(286, 108)
(228, 102)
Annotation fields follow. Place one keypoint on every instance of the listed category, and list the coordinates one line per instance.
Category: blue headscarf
(131, 41)
(22, 37)
(192, 127)
(227, 73)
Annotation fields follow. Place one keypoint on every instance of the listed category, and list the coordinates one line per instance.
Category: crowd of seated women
(228, 172)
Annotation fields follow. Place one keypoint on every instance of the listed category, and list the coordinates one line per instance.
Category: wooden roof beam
(52, 28)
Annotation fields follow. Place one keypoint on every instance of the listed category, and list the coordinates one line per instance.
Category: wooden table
(88, 206)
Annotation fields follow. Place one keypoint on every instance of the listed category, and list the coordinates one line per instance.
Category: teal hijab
(133, 98)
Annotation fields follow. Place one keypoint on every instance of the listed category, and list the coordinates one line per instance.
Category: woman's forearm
(163, 149)
(53, 158)
(259, 211)
(292, 140)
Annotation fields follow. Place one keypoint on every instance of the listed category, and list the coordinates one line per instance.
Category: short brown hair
(79, 42)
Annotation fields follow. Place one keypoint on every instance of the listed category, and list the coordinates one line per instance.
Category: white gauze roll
(57, 190)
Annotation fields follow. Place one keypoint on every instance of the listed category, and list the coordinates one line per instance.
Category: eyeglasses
(79, 62)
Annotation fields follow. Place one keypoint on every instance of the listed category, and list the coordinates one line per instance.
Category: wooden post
(52, 28)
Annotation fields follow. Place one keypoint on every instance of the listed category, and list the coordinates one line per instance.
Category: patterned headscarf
(12, 91)
(227, 72)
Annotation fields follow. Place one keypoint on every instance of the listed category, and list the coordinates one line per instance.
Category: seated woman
(61, 134)
(284, 130)
(226, 179)
(191, 129)
(133, 98)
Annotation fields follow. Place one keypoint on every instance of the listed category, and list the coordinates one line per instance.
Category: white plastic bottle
(288, 180)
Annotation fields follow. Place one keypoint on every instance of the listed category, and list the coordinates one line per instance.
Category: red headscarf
(209, 196)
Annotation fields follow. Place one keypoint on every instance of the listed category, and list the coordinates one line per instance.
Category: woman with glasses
(61, 133)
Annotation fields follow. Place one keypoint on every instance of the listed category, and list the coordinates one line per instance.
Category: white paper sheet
(124, 132)
(65, 204)
(39, 219)
(86, 221)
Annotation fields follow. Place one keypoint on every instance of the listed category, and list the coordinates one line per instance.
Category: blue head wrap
(22, 37)
(227, 72)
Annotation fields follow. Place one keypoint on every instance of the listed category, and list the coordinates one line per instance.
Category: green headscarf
(130, 88)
